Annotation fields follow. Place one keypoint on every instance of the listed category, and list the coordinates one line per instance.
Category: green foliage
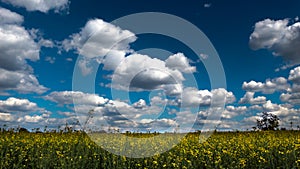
(264, 149)
(268, 121)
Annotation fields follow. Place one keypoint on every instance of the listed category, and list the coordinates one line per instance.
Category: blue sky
(147, 81)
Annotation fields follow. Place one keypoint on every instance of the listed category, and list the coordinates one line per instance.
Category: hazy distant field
(280, 149)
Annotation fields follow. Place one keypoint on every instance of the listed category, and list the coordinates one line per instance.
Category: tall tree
(268, 121)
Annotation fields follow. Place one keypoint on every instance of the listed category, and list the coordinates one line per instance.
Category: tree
(268, 121)
(24, 130)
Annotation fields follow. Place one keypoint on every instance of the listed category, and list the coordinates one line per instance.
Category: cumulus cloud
(97, 38)
(292, 98)
(31, 119)
(113, 113)
(294, 75)
(16, 112)
(194, 97)
(67, 97)
(278, 36)
(102, 42)
(180, 62)
(139, 104)
(248, 98)
(232, 111)
(9, 17)
(269, 87)
(18, 105)
(118, 114)
(293, 95)
(107, 44)
(141, 72)
(40, 5)
(281, 110)
(23, 82)
(6, 117)
(17, 45)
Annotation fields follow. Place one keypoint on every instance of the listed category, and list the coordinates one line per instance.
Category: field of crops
(272, 149)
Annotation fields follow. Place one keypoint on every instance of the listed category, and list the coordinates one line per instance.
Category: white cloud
(18, 105)
(97, 38)
(293, 95)
(6, 117)
(17, 45)
(141, 72)
(292, 98)
(21, 81)
(9, 17)
(102, 42)
(207, 5)
(277, 109)
(203, 56)
(248, 98)
(67, 97)
(232, 111)
(269, 87)
(278, 36)
(270, 107)
(220, 94)
(40, 5)
(139, 104)
(85, 67)
(107, 44)
(180, 62)
(194, 97)
(46, 43)
(49, 59)
(32, 119)
(294, 75)
(69, 59)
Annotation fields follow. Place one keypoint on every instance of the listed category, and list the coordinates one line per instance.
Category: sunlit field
(268, 149)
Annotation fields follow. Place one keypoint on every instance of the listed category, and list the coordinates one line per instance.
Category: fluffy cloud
(9, 17)
(248, 98)
(67, 97)
(18, 105)
(23, 82)
(31, 119)
(113, 113)
(278, 36)
(292, 98)
(97, 38)
(139, 104)
(102, 42)
(294, 75)
(107, 44)
(141, 72)
(293, 95)
(118, 114)
(180, 62)
(17, 45)
(194, 97)
(6, 117)
(232, 111)
(40, 5)
(269, 87)
(281, 110)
